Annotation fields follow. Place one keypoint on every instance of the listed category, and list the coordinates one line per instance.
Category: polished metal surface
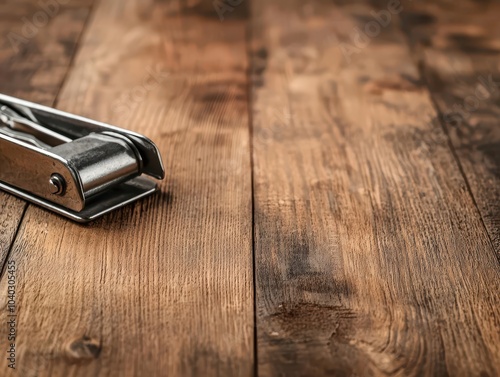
(101, 161)
(75, 127)
(19, 124)
(71, 165)
(29, 168)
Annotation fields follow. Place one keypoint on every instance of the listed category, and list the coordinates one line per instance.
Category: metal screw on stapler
(57, 185)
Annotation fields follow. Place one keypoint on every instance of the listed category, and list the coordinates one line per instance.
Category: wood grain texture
(459, 51)
(376, 228)
(371, 257)
(162, 287)
(33, 65)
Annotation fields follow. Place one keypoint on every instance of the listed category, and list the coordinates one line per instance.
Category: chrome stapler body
(73, 166)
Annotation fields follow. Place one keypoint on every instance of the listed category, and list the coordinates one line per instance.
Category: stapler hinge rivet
(57, 185)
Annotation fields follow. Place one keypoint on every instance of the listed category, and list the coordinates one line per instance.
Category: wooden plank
(33, 64)
(459, 50)
(162, 287)
(371, 258)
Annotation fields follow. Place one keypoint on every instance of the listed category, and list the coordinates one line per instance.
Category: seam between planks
(250, 86)
(420, 64)
(92, 8)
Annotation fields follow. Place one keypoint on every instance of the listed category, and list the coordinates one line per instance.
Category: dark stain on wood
(217, 92)
(336, 321)
(472, 44)
(230, 10)
(402, 82)
(203, 359)
(220, 98)
(412, 19)
(262, 53)
(83, 350)
(492, 153)
(302, 271)
(325, 331)
(305, 277)
(258, 67)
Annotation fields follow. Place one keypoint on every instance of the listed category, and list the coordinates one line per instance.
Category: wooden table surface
(331, 205)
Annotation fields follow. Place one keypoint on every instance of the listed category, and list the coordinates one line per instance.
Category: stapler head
(75, 167)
